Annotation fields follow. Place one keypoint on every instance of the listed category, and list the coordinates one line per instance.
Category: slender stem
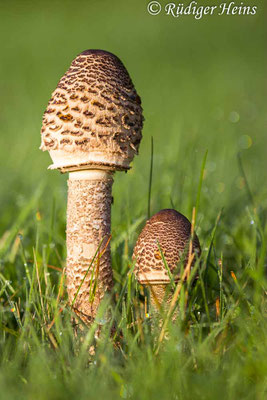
(150, 179)
(88, 235)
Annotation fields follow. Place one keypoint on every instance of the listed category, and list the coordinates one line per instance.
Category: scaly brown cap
(171, 231)
(94, 118)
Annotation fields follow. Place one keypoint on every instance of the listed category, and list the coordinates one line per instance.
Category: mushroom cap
(94, 117)
(171, 231)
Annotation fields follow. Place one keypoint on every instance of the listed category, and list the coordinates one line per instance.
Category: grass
(201, 84)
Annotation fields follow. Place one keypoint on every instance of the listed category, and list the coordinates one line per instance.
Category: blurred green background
(203, 88)
(202, 84)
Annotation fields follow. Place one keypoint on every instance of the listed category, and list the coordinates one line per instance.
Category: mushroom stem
(88, 226)
(158, 297)
(160, 302)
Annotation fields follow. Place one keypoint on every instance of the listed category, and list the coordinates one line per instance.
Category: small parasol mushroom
(166, 233)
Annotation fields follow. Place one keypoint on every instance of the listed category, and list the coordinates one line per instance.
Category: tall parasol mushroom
(91, 128)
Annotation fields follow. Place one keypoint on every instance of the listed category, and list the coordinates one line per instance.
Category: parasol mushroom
(91, 128)
(166, 233)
